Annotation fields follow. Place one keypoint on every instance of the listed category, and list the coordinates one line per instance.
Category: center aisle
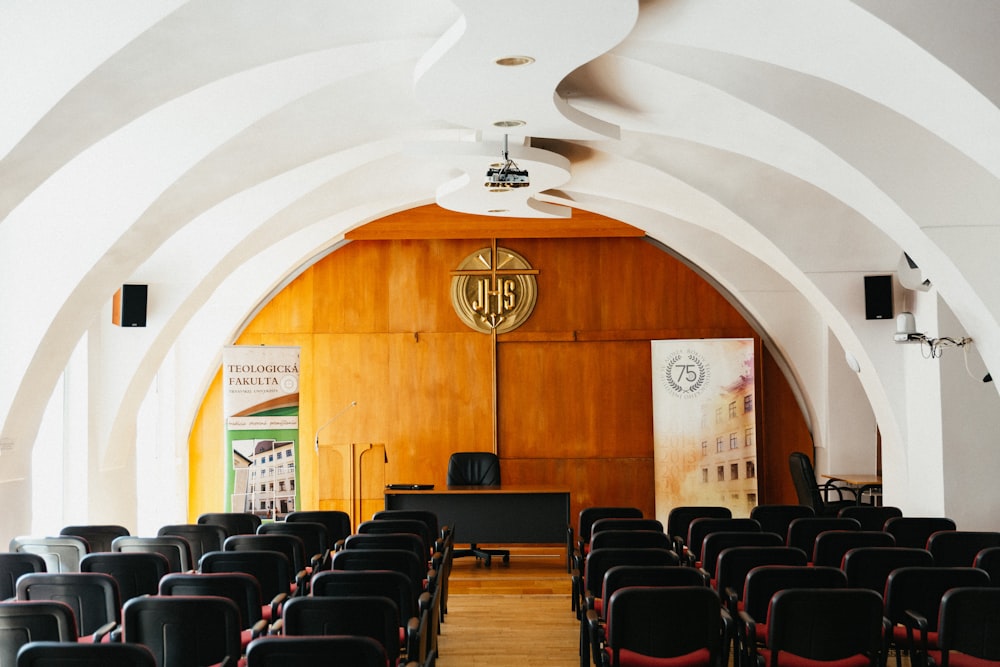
(510, 615)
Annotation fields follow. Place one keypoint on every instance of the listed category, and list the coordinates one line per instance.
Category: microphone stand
(330, 421)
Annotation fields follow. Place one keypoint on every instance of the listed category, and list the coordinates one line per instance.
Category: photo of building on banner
(261, 405)
(704, 424)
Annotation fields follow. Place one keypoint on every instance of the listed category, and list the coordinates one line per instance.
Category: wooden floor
(510, 615)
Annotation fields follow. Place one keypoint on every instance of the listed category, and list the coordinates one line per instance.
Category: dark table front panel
(493, 516)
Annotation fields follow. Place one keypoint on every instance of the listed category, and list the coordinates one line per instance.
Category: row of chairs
(734, 556)
(235, 575)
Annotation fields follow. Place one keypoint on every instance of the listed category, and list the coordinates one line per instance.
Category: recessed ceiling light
(499, 210)
(514, 61)
(498, 189)
(513, 122)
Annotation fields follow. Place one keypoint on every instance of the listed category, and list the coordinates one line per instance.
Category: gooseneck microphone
(331, 420)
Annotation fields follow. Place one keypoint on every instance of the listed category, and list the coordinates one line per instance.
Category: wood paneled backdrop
(573, 385)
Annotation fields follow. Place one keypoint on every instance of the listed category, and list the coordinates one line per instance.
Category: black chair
(366, 616)
(968, 628)
(634, 634)
(337, 522)
(759, 587)
(958, 548)
(24, 622)
(869, 567)
(622, 576)
(775, 518)
(288, 545)
(175, 549)
(714, 544)
(98, 536)
(12, 566)
(182, 631)
(312, 651)
(701, 527)
(988, 560)
(239, 587)
(914, 531)
(136, 574)
(824, 625)
(817, 496)
(624, 523)
(679, 521)
(234, 523)
(734, 564)
(916, 592)
(475, 469)
(201, 537)
(64, 654)
(802, 532)
(871, 517)
(632, 539)
(830, 546)
(313, 535)
(92, 596)
(587, 583)
(271, 569)
(396, 525)
(577, 544)
(61, 553)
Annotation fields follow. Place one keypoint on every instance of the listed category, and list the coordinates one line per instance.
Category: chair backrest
(871, 517)
(804, 480)
(312, 533)
(802, 532)
(12, 566)
(61, 554)
(426, 516)
(624, 523)
(175, 549)
(397, 560)
(337, 522)
(23, 622)
(413, 526)
(958, 548)
(235, 523)
(599, 561)
(290, 545)
(869, 567)
(969, 622)
(92, 596)
(703, 526)
(989, 560)
(403, 541)
(830, 546)
(679, 518)
(474, 469)
(588, 515)
(62, 654)
(240, 587)
(98, 536)
(634, 539)
(182, 631)
(271, 569)
(914, 531)
(136, 573)
(623, 576)
(714, 544)
(826, 624)
(201, 537)
(921, 588)
(734, 563)
(764, 581)
(380, 583)
(365, 616)
(692, 613)
(286, 651)
(775, 518)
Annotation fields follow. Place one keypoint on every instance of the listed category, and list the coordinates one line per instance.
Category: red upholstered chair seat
(786, 659)
(627, 658)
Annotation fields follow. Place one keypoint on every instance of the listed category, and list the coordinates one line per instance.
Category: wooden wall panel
(573, 393)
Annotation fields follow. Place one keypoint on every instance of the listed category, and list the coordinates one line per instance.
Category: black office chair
(815, 495)
(475, 469)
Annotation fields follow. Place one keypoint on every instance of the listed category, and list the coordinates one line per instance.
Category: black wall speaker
(878, 297)
(129, 306)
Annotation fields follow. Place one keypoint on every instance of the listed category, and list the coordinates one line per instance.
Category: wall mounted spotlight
(906, 332)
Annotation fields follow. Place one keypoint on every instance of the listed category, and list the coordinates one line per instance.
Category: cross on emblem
(494, 289)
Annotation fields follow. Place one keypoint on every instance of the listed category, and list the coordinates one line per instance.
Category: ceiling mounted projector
(505, 175)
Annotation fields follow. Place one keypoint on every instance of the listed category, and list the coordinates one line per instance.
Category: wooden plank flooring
(510, 615)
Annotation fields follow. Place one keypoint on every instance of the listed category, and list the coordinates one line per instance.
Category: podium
(351, 478)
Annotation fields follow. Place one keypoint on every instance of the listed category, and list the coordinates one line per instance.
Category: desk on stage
(487, 515)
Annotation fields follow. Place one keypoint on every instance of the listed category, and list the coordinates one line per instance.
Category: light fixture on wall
(906, 332)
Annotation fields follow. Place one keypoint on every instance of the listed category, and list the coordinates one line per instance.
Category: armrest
(577, 582)
(749, 626)
(258, 629)
(103, 631)
(595, 631)
(728, 633)
(412, 645)
(829, 486)
(705, 575)
(276, 603)
(302, 582)
(915, 619)
(732, 600)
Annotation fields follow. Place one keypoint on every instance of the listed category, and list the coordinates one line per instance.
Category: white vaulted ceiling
(214, 149)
